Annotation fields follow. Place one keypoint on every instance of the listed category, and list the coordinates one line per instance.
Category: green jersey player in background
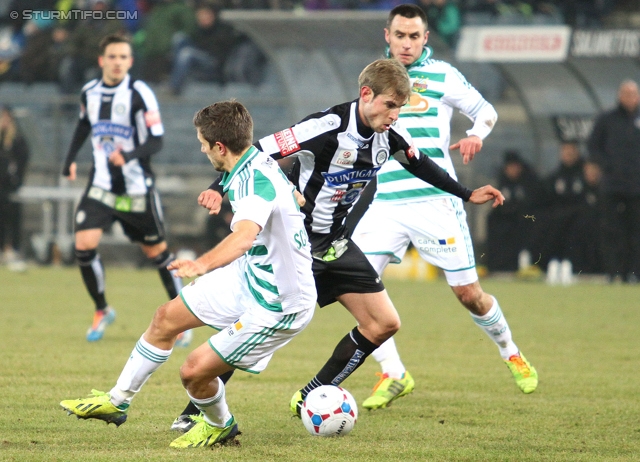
(407, 210)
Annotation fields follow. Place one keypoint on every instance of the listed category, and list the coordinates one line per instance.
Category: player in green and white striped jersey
(407, 210)
(258, 290)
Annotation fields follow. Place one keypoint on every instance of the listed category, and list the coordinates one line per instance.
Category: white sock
(389, 359)
(215, 409)
(144, 360)
(496, 327)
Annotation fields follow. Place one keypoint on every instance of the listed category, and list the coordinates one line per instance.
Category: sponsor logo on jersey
(152, 118)
(287, 142)
(417, 104)
(107, 144)
(351, 196)
(360, 143)
(381, 157)
(350, 176)
(438, 246)
(346, 157)
(107, 128)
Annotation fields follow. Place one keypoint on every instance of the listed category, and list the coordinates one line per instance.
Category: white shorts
(437, 228)
(249, 334)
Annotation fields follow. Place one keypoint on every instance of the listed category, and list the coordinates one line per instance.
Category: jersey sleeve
(306, 137)
(150, 108)
(258, 204)
(422, 166)
(462, 95)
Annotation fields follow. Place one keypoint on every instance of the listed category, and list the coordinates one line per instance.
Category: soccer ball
(329, 411)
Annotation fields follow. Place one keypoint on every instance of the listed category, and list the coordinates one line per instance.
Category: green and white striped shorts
(248, 333)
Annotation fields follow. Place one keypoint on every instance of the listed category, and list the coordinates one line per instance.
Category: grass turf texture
(582, 339)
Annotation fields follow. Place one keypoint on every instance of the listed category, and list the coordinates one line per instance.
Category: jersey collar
(427, 53)
(227, 177)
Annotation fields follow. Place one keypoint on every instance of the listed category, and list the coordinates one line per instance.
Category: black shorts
(350, 274)
(144, 227)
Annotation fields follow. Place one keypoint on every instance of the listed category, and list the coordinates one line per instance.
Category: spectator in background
(589, 238)
(511, 226)
(153, 42)
(215, 51)
(14, 156)
(444, 19)
(78, 63)
(614, 145)
(16, 32)
(566, 192)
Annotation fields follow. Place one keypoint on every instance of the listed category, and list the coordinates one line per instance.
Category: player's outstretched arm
(232, 247)
(485, 194)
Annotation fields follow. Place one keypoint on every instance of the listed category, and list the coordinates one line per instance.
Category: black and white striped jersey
(336, 157)
(124, 116)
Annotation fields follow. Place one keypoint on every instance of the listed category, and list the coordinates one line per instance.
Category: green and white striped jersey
(278, 266)
(437, 89)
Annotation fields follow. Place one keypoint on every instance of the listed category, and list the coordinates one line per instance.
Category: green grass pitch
(584, 341)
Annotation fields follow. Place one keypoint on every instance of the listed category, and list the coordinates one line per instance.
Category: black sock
(348, 355)
(191, 408)
(172, 284)
(93, 275)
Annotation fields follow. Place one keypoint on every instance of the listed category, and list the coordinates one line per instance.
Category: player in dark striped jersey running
(338, 152)
(123, 118)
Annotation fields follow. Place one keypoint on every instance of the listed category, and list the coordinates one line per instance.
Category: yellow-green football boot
(388, 389)
(295, 405)
(98, 407)
(202, 434)
(525, 374)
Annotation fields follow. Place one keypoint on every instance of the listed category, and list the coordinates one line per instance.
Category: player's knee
(188, 374)
(85, 257)
(390, 326)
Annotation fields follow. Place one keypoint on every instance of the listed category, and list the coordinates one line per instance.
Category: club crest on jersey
(381, 157)
(419, 85)
(287, 143)
(120, 109)
(350, 176)
(346, 157)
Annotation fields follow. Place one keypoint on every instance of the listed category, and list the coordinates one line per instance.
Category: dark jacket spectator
(614, 145)
(14, 156)
(216, 52)
(511, 227)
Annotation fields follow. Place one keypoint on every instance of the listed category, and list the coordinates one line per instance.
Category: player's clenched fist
(210, 200)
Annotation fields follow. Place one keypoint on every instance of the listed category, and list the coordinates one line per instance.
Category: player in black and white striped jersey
(338, 152)
(122, 117)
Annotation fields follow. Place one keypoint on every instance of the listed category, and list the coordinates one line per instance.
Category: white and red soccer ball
(329, 411)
